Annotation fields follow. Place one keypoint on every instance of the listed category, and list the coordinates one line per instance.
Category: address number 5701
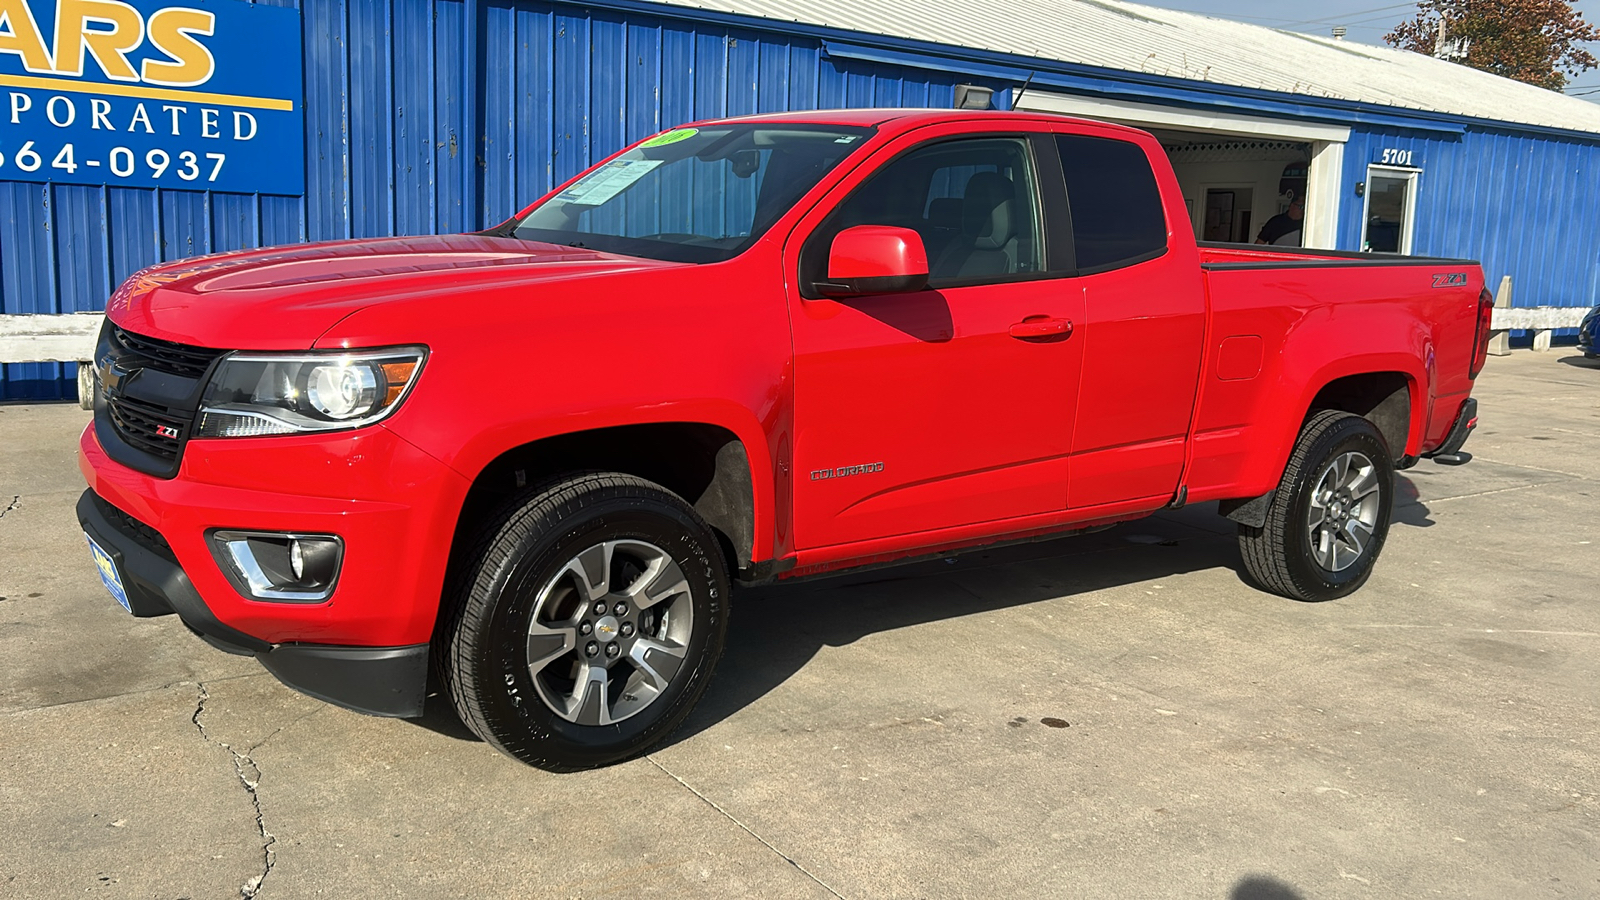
(122, 162)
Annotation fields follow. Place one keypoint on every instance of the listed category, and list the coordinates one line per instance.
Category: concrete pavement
(1117, 715)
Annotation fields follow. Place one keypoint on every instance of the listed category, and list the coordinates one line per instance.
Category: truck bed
(1284, 320)
(1218, 254)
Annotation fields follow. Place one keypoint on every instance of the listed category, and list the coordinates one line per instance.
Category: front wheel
(591, 615)
(1328, 521)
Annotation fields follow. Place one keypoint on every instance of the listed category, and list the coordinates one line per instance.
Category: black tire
(1281, 556)
(523, 555)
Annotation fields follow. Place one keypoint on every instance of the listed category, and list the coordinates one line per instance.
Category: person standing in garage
(1283, 229)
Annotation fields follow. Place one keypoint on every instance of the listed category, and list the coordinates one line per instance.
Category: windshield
(692, 194)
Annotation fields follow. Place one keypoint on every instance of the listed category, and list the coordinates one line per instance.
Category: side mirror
(875, 259)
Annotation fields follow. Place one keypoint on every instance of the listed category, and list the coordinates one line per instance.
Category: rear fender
(1302, 377)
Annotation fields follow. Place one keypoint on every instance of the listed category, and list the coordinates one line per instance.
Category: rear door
(1143, 327)
(921, 411)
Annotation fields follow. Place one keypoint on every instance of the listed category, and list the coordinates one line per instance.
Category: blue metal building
(422, 116)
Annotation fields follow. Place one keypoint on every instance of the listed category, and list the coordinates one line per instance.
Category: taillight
(1480, 346)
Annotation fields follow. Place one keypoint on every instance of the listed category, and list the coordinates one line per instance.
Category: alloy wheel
(609, 631)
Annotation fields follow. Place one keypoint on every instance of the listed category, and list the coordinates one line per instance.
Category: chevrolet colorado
(534, 460)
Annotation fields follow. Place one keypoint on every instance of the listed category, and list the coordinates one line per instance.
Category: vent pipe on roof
(1339, 32)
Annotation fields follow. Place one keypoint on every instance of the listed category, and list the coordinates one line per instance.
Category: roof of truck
(905, 118)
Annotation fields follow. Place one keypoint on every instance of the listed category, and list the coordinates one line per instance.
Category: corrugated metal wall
(393, 88)
(1525, 206)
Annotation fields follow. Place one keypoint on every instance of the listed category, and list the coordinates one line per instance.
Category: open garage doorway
(1237, 171)
(1236, 189)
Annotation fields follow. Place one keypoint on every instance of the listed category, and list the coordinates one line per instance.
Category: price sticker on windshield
(608, 181)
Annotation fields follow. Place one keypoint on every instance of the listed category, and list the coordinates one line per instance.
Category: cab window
(1117, 218)
(974, 202)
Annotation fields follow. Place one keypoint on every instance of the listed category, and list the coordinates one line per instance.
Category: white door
(1389, 214)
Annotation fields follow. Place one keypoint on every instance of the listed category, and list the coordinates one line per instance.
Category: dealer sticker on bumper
(108, 572)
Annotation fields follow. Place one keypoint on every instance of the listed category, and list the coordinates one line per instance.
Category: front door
(942, 407)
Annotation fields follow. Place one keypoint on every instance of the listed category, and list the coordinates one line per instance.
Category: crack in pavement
(243, 765)
(747, 830)
(1520, 487)
(1501, 462)
(16, 503)
(134, 693)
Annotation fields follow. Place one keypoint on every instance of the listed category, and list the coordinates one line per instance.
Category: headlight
(258, 394)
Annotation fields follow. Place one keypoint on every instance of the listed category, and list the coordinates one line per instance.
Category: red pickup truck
(535, 460)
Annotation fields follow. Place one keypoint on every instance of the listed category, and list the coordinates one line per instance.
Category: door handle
(1042, 327)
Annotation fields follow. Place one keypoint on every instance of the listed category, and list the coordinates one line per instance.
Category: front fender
(517, 364)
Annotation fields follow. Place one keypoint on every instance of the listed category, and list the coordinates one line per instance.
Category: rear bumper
(1450, 451)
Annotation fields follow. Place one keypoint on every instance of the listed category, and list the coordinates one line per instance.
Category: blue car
(1589, 334)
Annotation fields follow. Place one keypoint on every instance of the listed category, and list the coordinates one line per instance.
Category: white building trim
(1150, 115)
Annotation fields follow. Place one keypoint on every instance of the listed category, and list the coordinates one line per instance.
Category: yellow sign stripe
(61, 85)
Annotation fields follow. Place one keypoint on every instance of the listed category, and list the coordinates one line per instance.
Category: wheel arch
(1384, 389)
(707, 465)
(1388, 399)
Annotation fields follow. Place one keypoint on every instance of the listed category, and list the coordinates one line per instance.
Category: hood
(283, 298)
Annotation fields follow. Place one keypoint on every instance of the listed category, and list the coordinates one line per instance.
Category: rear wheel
(588, 622)
(1330, 516)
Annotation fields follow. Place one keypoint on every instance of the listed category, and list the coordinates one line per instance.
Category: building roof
(1143, 39)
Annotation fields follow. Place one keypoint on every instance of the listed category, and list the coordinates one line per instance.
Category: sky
(1367, 21)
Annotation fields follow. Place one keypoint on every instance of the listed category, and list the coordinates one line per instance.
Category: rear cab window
(1117, 216)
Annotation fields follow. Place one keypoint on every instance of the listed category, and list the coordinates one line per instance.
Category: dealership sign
(199, 96)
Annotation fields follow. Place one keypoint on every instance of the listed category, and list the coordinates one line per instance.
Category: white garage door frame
(1327, 143)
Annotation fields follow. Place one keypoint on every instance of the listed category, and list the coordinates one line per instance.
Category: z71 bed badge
(1450, 280)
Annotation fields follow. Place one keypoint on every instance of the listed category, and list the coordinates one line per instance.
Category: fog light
(279, 566)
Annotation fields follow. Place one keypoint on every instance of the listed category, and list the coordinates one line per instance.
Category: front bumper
(394, 506)
(380, 681)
